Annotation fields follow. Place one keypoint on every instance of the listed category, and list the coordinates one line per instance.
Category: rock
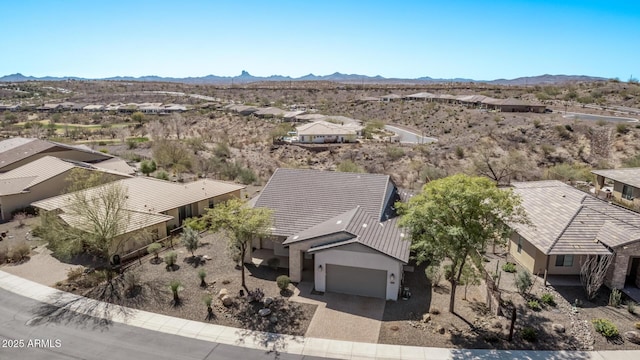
(264, 312)
(632, 336)
(497, 324)
(559, 328)
(273, 319)
(426, 318)
(227, 300)
(267, 301)
(441, 329)
(206, 257)
(222, 293)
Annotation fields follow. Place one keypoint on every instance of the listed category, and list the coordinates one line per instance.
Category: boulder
(227, 300)
(559, 328)
(264, 312)
(426, 318)
(441, 329)
(223, 292)
(632, 336)
(267, 301)
(273, 319)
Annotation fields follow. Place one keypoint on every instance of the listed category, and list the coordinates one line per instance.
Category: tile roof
(135, 220)
(22, 178)
(629, 176)
(302, 199)
(17, 149)
(153, 195)
(568, 221)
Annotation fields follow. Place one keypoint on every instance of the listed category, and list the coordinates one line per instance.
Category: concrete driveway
(341, 316)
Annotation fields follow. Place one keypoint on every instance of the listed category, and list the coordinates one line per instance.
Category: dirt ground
(151, 291)
(473, 326)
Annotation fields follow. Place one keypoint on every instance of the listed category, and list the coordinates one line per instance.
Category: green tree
(190, 239)
(456, 216)
(147, 167)
(239, 223)
(138, 117)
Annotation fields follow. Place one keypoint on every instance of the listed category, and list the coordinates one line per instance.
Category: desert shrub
(509, 267)
(283, 282)
(175, 286)
(349, 166)
(394, 153)
(547, 149)
(637, 325)
(459, 152)
(154, 249)
(605, 328)
(202, 275)
(548, 299)
(434, 274)
(615, 298)
(622, 128)
(170, 259)
(562, 132)
(246, 176)
(273, 263)
(19, 252)
(529, 334)
(534, 305)
(162, 175)
(537, 124)
(524, 281)
(131, 281)
(74, 273)
(92, 279)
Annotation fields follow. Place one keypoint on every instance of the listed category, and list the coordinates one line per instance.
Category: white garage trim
(361, 260)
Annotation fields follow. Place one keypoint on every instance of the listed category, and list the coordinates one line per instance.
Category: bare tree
(157, 130)
(178, 124)
(593, 271)
(499, 168)
(122, 134)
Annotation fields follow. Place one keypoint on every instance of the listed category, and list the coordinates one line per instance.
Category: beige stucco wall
(529, 257)
(617, 194)
(361, 258)
(129, 242)
(565, 270)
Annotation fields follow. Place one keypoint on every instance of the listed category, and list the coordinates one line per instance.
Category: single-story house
(390, 97)
(336, 229)
(512, 105)
(626, 185)
(152, 204)
(327, 132)
(567, 225)
(15, 152)
(422, 96)
(269, 112)
(40, 179)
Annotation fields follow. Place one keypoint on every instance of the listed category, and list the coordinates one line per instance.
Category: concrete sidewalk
(277, 342)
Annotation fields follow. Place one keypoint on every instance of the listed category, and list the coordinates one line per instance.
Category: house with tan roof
(623, 185)
(40, 179)
(322, 132)
(336, 229)
(18, 151)
(152, 204)
(567, 225)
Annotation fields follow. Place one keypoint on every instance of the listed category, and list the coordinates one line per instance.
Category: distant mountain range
(245, 77)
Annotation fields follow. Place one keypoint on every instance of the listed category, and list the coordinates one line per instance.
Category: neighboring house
(18, 151)
(512, 105)
(39, 179)
(390, 97)
(339, 228)
(422, 96)
(567, 225)
(152, 204)
(326, 132)
(626, 185)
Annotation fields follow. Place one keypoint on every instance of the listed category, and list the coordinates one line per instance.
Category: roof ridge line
(616, 206)
(555, 241)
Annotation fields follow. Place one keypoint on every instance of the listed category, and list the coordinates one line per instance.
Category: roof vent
(338, 222)
(295, 237)
(364, 225)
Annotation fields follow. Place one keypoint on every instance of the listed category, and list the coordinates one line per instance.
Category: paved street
(410, 137)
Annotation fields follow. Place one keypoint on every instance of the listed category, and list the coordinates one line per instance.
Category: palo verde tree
(456, 216)
(239, 223)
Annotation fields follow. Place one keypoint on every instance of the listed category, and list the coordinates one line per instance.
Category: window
(564, 260)
(210, 203)
(519, 244)
(627, 192)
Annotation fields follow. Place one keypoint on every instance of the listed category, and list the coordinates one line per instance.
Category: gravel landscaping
(146, 286)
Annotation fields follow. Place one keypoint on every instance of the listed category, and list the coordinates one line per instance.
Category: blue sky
(483, 40)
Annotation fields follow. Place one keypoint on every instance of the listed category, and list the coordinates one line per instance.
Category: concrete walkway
(41, 268)
(275, 342)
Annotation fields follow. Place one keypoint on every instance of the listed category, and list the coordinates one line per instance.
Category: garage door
(356, 281)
